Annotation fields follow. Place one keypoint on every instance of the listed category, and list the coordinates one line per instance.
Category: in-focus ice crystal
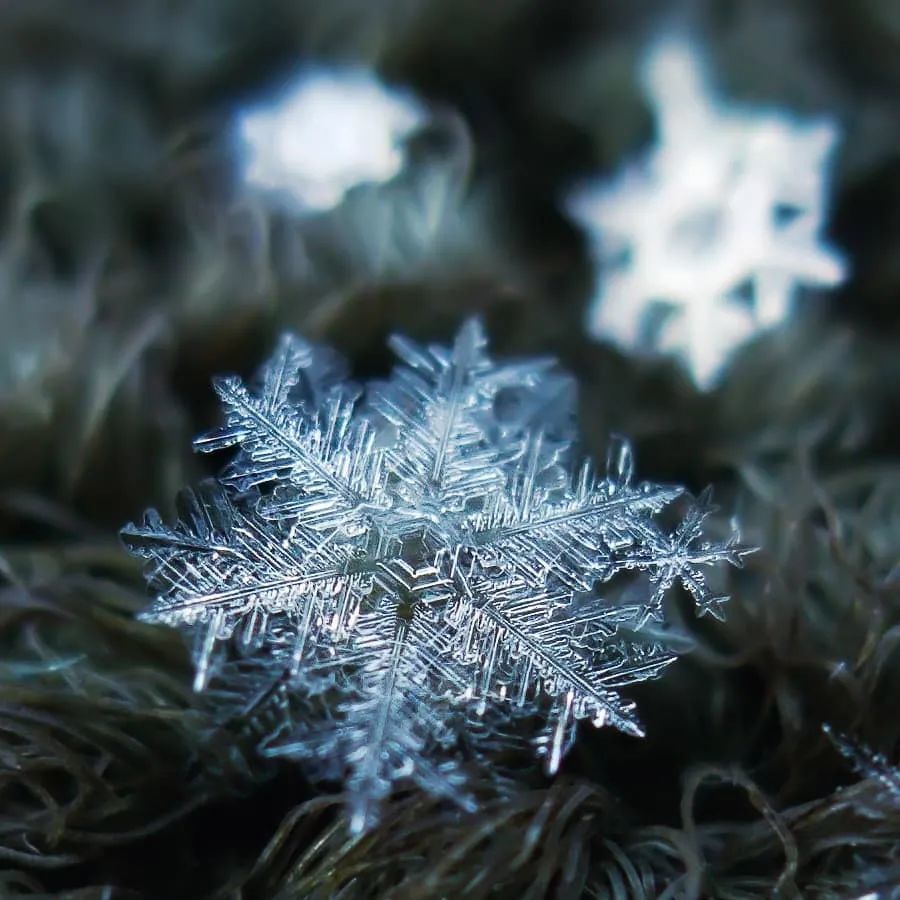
(330, 129)
(704, 242)
(421, 554)
(869, 764)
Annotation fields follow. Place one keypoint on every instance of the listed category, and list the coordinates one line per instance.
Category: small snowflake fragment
(423, 553)
(706, 240)
(869, 764)
(331, 130)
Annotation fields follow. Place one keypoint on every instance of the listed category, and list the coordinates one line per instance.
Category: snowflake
(705, 242)
(331, 130)
(423, 554)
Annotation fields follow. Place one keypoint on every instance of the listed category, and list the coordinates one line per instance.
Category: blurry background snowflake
(705, 241)
(329, 130)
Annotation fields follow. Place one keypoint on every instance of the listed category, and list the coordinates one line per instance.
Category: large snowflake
(705, 241)
(421, 555)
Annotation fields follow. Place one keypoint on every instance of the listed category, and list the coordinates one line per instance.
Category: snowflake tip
(714, 606)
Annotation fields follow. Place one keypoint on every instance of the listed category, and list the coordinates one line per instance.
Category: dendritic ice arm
(566, 532)
(454, 436)
(529, 557)
(321, 459)
(400, 698)
(225, 569)
(679, 556)
(868, 763)
(519, 645)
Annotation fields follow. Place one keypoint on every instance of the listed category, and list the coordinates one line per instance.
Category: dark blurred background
(135, 263)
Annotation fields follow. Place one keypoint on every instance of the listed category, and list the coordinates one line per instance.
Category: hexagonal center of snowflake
(698, 233)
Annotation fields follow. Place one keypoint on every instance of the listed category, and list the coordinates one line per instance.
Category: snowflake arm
(507, 630)
(221, 567)
(400, 684)
(319, 456)
(516, 625)
(868, 763)
(680, 555)
(442, 402)
(572, 534)
(433, 401)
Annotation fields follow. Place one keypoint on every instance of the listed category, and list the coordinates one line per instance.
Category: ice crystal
(421, 554)
(330, 130)
(868, 764)
(705, 241)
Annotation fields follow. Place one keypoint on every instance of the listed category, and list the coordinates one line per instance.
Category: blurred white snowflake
(329, 130)
(704, 242)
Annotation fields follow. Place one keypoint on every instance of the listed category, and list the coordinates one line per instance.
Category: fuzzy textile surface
(134, 265)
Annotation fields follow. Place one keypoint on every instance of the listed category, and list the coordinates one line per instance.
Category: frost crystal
(868, 764)
(705, 241)
(331, 130)
(421, 555)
